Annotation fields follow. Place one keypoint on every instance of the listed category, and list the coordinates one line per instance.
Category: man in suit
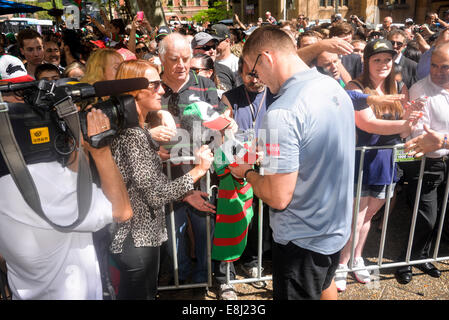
(398, 39)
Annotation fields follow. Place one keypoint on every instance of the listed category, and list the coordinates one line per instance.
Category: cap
(201, 38)
(163, 31)
(409, 20)
(207, 114)
(220, 31)
(13, 70)
(378, 46)
(99, 43)
(126, 54)
(250, 30)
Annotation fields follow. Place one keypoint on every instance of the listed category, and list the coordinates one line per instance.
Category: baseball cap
(201, 38)
(378, 46)
(220, 32)
(409, 20)
(163, 31)
(13, 70)
(250, 30)
(126, 54)
(99, 43)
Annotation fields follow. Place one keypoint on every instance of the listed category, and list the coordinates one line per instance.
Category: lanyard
(251, 106)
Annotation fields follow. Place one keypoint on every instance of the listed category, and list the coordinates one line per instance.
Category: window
(322, 3)
(197, 2)
(346, 3)
(330, 3)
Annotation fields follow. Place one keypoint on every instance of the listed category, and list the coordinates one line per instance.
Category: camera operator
(44, 263)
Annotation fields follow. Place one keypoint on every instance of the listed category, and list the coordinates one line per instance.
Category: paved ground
(422, 287)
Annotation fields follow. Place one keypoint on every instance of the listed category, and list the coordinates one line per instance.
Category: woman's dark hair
(72, 39)
(120, 24)
(412, 52)
(206, 61)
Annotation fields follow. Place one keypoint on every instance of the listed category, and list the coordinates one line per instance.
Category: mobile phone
(140, 15)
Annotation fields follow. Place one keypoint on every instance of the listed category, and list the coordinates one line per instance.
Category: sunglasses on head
(143, 49)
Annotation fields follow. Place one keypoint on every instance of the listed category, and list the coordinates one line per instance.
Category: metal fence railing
(380, 259)
(380, 256)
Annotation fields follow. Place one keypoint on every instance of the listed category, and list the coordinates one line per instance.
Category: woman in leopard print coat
(136, 243)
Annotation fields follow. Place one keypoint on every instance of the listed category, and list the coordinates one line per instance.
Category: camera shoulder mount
(15, 162)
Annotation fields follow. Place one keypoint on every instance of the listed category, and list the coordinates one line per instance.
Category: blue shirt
(423, 68)
(310, 129)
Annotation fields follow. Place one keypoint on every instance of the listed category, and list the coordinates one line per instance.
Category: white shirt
(232, 62)
(44, 263)
(436, 110)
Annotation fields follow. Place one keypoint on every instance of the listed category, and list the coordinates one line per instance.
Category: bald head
(439, 66)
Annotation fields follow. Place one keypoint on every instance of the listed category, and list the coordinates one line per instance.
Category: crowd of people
(310, 92)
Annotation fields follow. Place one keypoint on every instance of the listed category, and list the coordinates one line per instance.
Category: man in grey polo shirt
(309, 167)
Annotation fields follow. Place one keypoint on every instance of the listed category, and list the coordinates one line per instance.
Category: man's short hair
(45, 67)
(173, 38)
(309, 33)
(27, 34)
(268, 37)
(396, 31)
(341, 29)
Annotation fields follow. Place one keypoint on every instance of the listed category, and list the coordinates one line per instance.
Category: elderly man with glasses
(183, 87)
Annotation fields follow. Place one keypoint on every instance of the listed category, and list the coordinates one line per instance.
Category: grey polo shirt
(310, 129)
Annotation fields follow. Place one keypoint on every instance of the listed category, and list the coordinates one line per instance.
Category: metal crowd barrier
(381, 264)
(171, 216)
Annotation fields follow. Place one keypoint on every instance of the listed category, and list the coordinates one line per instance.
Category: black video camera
(39, 124)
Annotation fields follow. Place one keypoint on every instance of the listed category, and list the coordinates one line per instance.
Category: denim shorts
(375, 191)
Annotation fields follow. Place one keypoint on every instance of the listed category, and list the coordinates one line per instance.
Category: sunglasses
(154, 84)
(253, 73)
(197, 70)
(143, 49)
(400, 44)
(207, 48)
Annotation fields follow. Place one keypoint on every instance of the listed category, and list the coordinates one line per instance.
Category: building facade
(373, 11)
(183, 9)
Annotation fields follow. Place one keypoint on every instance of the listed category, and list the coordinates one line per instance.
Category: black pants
(139, 270)
(432, 191)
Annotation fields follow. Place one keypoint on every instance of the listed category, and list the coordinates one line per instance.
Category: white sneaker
(252, 273)
(340, 277)
(227, 292)
(363, 275)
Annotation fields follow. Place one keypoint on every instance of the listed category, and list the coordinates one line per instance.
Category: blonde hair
(134, 69)
(96, 64)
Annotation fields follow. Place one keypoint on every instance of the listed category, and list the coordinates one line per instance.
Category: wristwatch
(248, 171)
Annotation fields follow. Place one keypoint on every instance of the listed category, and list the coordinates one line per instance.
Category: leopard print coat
(148, 187)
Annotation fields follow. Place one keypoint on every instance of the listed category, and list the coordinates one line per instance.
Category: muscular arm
(275, 190)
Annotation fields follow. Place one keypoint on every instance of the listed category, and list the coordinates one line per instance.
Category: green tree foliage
(216, 13)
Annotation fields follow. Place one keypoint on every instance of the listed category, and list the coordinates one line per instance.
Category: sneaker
(340, 277)
(251, 272)
(362, 276)
(227, 292)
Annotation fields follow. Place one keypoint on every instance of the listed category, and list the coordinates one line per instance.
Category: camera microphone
(104, 88)
(114, 87)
